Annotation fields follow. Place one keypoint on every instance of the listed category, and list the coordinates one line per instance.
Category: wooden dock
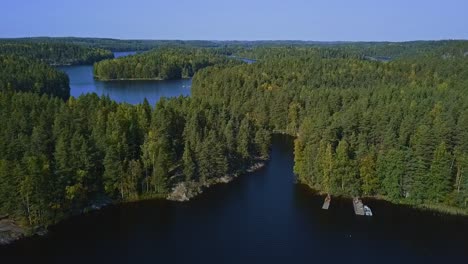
(358, 206)
(326, 203)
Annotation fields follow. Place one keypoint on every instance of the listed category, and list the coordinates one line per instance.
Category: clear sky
(324, 20)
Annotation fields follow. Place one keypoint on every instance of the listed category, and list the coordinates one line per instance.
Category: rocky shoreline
(10, 231)
(185, 191)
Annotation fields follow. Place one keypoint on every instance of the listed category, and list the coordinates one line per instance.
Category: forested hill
(26, 75)
(55, 53)
(162, 64)
(396, 129)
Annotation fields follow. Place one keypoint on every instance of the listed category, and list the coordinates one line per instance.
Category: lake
(82, 82)
(262, 217)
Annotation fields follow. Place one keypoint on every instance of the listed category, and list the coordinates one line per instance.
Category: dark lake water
(82, 82)
(263, 217)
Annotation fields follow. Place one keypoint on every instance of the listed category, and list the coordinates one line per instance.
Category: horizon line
(233, 40)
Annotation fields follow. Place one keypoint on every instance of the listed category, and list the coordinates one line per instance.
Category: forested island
(396, 130)
(161, 64)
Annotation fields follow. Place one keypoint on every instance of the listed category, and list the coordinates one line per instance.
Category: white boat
(367, 211)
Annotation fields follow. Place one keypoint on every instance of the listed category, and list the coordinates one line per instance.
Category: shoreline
(435, 208)
(185, 191)
(11, 231)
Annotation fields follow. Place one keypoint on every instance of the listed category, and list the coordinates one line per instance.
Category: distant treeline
(55, 53)
(387, 50)
(162, 63)
(118, 44)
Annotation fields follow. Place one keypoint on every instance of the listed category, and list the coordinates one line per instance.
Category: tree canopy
(55, 53)
(162, 64)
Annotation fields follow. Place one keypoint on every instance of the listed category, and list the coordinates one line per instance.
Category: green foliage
(439, 183)
(54, 53)
(395, 128)
(25, 75)
(161, 64)
(363, 126)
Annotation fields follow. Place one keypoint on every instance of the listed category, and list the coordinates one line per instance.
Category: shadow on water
(261, 217)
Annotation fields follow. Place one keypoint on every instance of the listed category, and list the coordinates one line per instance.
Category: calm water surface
(82, 82)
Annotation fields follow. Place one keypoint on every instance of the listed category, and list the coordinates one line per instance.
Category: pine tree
(391, 168)
(419, 188)
(440, 174)
(262, 140)
(327, 170)
(368, 173)
(243, 139)
(112, 172)
(188, 162)
(344, 172)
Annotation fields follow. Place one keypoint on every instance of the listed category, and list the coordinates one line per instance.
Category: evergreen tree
(368, 173)
(440, 174)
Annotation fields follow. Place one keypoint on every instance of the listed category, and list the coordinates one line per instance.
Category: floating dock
(360, 208)
(326, 203)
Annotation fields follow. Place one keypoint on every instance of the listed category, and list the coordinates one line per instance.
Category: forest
(117, 44)
(397, 129)
(161, 64)
(393, 129)
(58, 157)
(55, 53)
(27, 75)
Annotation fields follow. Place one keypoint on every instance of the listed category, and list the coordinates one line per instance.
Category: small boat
(367, 211)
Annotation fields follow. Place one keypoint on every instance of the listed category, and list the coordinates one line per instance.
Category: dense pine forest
(58, 157)
(26, 75)
(395, 129)
(55, 53)
(363, 127)
(161, 64)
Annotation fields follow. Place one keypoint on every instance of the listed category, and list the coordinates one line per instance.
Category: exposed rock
(98, 203)
(184, 191)
(9, 231)
(256, 166)
(226, 179)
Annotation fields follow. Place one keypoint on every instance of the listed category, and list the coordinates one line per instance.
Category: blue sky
(325, 20)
